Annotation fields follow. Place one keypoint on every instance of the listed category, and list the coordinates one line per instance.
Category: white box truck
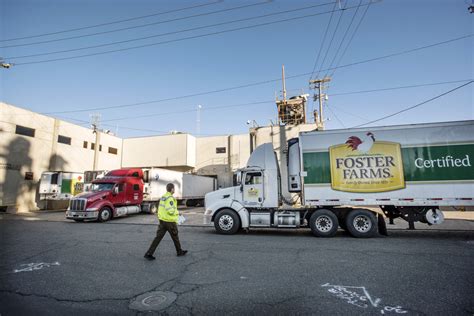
(190, 189)
(57, 187)
(407, 171)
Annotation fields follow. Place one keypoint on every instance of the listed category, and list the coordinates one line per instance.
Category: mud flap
(381, 224)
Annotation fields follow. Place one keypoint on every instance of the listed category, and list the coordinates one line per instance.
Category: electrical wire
(344, 37)
(110, 23)
(337, 118)
(260, 82)
(138, 26)
(324, 40)
(399, 87)
(416, 105)
(332, 39)
(350, 40)
(163, 34)
(177, 40)
(187, 111)
(269, 102)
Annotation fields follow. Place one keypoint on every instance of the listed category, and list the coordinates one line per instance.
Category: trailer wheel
(227, 222)
(361, 223)
(105, 214)
(153, 208)
(323, 223)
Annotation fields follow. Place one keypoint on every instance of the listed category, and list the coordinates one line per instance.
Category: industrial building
(32, 143)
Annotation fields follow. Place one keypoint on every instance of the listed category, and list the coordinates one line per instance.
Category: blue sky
(233, 59)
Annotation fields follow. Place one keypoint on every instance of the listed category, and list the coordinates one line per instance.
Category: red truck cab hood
(94, 196)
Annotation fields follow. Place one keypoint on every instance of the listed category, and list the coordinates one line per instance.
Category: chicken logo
(362, 145)
(362, 164)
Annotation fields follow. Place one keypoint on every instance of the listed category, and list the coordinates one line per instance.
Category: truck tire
(227, 222)
(105, 214)
(153, 208)
(323, 223)
(361, 223)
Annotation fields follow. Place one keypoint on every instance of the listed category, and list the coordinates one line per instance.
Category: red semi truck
(117, 194)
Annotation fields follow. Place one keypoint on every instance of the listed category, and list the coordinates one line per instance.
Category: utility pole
(318, 85)
(95, 118)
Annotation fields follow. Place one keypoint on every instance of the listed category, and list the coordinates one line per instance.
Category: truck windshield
(97, 187)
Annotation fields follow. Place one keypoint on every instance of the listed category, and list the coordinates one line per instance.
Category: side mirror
(115, 191)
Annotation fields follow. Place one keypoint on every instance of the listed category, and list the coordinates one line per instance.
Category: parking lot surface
(58, 267)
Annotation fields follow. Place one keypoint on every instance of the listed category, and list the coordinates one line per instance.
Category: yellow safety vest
(168, 208)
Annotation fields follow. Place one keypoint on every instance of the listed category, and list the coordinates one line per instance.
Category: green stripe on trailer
(429, 163)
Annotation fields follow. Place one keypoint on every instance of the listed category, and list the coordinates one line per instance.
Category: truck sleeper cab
(109, 197)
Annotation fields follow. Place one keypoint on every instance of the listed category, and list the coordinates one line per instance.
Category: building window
(25, 131)
(93, 146)
(113, 150)
(64, 140)
(85, 144)
(220, 150)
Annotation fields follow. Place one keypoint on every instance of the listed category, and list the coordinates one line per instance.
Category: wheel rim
(105, 214)
(226, 222)
(362, 223)
(324, 223)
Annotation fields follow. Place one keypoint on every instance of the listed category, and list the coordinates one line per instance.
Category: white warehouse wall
(166, 151)
(20, 154)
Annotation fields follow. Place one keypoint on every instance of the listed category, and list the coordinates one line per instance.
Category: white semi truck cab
(347, 178)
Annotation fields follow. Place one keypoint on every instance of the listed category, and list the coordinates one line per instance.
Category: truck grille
(77, 204)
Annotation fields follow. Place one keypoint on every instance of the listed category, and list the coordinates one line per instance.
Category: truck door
(253, 188)
(118, 198)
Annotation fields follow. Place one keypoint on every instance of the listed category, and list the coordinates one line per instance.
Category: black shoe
(182, 253)
(149, 257)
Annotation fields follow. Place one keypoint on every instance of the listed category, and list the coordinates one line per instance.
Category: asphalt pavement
(59, 267)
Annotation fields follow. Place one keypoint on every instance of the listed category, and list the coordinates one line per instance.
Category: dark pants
(164, 227)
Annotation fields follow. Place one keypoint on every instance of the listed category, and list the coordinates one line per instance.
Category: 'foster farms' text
(368, 167)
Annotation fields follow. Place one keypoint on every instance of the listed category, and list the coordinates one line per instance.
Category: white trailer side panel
(158, 179)
(423, 164)
(187, 186)
(195, 187)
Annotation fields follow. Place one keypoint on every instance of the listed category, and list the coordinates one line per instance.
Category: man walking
(168, 215)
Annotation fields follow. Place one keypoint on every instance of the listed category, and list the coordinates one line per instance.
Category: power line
(350, 40)
(178, 40)
(337, 118)
(324, 40)
(260, 82)
(399, 87)
(403, 52)
(416, 105)
(164, 34)
(332, 39)
(188, 111)
(110, 23)
(269, 101)
(344, 37)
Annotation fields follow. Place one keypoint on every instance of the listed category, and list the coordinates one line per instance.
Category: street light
(6, 65)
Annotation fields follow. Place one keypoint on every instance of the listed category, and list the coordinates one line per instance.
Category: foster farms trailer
(408, 171)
